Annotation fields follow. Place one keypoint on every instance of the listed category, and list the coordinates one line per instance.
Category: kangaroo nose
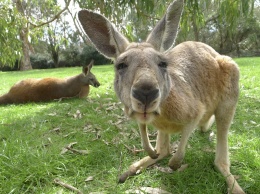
(97, 85)
(146, 96)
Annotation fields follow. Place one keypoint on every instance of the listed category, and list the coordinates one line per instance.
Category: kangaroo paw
(153, 154)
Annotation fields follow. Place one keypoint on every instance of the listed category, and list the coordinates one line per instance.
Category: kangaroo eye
(163, 64)
(121, 66)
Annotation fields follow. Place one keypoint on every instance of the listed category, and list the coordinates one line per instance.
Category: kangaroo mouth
(143, 117)
(96, 85)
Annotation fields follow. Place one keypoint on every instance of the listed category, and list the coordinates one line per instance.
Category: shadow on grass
(33, 136)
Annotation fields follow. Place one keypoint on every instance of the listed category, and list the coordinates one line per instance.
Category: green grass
(33, 135)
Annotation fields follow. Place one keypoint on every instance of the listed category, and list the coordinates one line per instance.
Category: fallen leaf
(107, 143)
(98, 135)
(166, 170)
(83, 152)
(49, 139)
(65, 149)
(147, 190)
(252, 122)
(90, 178)
(87, 128)
(69, 134)
(77, 115)
(52, 114)
(57, 129)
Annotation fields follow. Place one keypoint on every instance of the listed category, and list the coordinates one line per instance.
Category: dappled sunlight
(88, 142)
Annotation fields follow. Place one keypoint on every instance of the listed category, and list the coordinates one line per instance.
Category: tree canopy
(227, 25)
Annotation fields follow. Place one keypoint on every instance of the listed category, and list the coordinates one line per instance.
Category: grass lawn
(102, 142)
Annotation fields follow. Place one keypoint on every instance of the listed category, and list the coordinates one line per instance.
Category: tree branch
(86, 40)
(54, 18)
(70, 187)
(140, 12)
(212, 18)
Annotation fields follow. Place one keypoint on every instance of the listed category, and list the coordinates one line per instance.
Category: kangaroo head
(88, 77)
(142, 81)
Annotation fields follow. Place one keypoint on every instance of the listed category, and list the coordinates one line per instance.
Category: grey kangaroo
(175, 89)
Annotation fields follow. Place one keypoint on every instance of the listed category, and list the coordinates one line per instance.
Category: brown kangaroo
(174, 89)
(46, 89)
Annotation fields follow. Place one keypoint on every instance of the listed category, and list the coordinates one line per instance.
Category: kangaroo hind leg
(224, 116)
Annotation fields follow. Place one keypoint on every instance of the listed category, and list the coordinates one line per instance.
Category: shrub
(15, 67)
(88, 53)
(39, 61)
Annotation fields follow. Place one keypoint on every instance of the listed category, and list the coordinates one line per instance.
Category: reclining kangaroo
(174, 89)
(46, 89)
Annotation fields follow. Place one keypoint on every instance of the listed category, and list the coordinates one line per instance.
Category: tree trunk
(54, 50)
(25, 63)
(55, 56)
(195, 29)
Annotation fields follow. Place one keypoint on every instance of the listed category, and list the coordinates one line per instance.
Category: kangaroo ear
(102, 33)
(164, 33)
(85, 70)
(90, 65)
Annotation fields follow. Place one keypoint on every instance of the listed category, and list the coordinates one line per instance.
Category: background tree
(142, 15)
(33, 15)
(58, 36)
(10, 22)
(230, 26)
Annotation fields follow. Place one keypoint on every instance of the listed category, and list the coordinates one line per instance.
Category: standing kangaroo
(174, 89)
(46, 89)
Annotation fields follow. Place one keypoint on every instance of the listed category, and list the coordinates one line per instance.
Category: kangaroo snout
(97, 84)
(145, 96)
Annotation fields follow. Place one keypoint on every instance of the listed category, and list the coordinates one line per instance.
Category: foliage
(24, 20)
(58, 38)
(136, 18)
(216, 22)
(40, 62)
(10, 23)
(72, 56)
(69, 57)
(32, 137)
(228, 26)
(133, 18)
(89, 53)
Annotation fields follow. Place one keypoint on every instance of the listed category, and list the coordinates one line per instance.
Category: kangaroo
(46, 89)
(175, 89)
